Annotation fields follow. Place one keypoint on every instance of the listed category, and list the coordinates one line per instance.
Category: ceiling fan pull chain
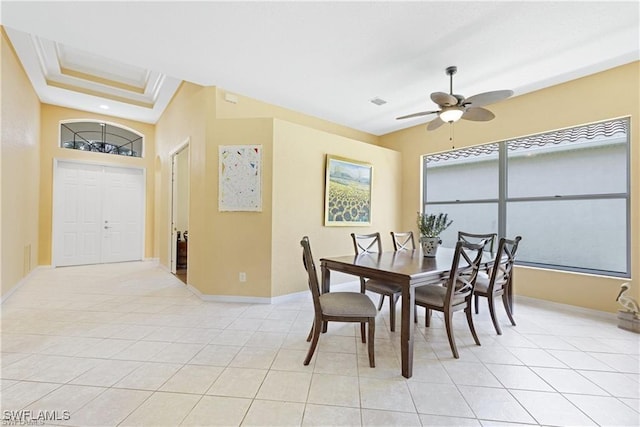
(451, 134)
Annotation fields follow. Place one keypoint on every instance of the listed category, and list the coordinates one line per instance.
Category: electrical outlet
(243, 277)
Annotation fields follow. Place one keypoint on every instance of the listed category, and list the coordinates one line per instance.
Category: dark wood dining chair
(457, 291)
(337, 307)
(488, 246)
(403, 240)
(488, 238)
(498, 282)
(372, 243)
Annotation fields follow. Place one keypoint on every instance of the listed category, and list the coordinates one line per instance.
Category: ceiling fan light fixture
(450, 115)
(456, 107)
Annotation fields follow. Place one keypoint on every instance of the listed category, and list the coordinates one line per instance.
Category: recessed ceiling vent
(378, 101)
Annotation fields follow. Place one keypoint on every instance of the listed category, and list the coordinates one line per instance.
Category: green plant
(431, 225)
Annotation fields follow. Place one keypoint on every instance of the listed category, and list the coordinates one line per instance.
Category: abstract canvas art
(240, 178)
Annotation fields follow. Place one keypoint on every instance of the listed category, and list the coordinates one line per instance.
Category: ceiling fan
(454, 107)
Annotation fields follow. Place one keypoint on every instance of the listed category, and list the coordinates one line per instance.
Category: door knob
(106, 227)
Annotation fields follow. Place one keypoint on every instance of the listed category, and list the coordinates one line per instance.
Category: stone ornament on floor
(628, 319)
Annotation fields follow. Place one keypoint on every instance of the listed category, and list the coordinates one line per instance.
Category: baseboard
(228, 298)
(349, 286)
(22, 281)
(565, 307)
(236, 299)
(164, 267)
(295, 296)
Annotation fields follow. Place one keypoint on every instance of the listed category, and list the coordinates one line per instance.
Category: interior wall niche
(101, 137)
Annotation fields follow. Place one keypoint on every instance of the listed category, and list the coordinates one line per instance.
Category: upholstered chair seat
(347, 304)
(381, 287)
(482, 283)
(435, 296)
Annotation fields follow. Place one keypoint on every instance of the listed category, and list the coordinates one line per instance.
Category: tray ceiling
(326, 59)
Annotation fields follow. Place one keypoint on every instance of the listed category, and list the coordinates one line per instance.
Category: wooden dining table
(406, 268)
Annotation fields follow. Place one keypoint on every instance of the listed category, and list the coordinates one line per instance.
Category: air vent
(378, 101)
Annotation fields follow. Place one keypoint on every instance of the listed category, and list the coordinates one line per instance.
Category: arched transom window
(101, 137)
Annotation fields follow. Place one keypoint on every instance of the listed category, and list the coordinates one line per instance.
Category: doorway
(98, 213)
(180, 212)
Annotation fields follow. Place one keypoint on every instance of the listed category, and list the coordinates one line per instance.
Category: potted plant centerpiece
(430, 226)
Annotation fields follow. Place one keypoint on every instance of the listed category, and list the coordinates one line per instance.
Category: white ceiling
(329, 59)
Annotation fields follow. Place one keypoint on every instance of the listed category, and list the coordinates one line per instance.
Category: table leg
(326, 278)
(406, 334)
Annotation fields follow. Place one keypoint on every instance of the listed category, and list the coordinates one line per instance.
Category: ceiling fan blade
(487, 98)
(478, 115)
(444, 99)
(435, 123)
(422, 113)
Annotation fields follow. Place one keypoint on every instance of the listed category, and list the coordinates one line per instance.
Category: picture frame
(347, 192)
(240, 178)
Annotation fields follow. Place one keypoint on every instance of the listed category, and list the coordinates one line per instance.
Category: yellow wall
(610, 94)
(182, 187)
(298, 199)
(221, 244)
(239, 241)
(20, 151)
(50, 149)
(184, 120)
(264, 245)
(251, 108)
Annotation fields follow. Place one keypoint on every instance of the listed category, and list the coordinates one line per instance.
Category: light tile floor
(129, 344)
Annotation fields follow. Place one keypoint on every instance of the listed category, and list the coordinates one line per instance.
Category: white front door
(98, 214)
(122, 214)
(78, 212)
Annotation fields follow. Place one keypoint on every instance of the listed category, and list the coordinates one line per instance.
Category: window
(464, 184)
(566, 192)
(100, 137)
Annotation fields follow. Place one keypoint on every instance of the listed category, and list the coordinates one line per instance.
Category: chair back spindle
(403, 240)
(498, 281)
(464, 271)
(489, 239)
(503, 265)
(367, 243)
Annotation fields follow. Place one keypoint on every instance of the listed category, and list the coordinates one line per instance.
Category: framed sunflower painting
(347, 192)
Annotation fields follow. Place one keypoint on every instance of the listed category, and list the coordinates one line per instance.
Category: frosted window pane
(592, 168)
(543, 172)
(478, 218)
(472, 180)
(552, 235)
